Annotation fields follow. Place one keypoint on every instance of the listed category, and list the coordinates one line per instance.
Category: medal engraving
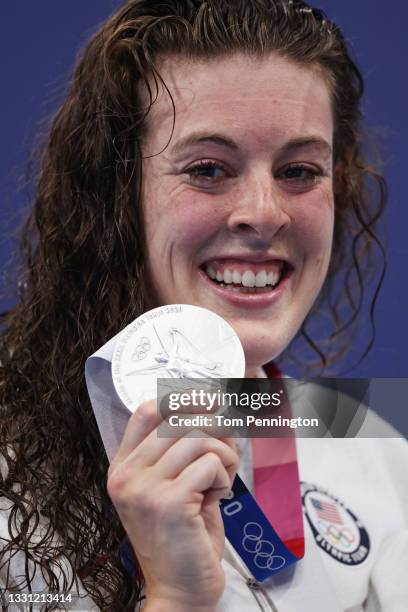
(176, 341)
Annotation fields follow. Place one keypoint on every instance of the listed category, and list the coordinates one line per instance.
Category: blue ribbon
(252, 535)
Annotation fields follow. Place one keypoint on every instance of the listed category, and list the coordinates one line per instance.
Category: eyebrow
(203, 137)
(306, 141)
(221, 140)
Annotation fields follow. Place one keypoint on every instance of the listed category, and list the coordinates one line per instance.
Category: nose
(259, 211)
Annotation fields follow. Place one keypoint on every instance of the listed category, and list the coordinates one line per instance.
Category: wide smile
(256, 283)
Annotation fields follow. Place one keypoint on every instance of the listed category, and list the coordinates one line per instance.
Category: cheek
(196, 220)
(178, 227)
(316, 236)
(315, 223)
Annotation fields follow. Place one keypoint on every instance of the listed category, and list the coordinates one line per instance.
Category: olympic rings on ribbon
(262, 549)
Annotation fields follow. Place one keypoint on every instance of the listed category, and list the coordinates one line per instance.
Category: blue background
(39, 42)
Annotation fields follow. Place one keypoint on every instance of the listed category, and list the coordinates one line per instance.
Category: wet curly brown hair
(83, 276)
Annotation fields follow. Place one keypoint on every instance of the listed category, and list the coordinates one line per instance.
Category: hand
(166, 492)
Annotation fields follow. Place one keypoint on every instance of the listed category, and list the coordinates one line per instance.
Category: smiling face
(239, 207)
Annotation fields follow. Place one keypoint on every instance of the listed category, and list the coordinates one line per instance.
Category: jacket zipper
(262, 599)
(264, 602)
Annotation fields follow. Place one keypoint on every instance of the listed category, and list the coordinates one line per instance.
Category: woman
(198, 139)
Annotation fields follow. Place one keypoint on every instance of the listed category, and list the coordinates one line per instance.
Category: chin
(260, 349)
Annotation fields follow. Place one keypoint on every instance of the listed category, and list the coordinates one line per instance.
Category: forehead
(261, 98)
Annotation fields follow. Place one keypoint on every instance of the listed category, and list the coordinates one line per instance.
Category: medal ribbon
(267, 532)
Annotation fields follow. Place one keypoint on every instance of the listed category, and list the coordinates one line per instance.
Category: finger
(186, 450)
(153, 447)
(232, 443)
(142, 422)
(205, 475)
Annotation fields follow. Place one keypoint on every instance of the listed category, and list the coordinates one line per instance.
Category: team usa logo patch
(335, 528)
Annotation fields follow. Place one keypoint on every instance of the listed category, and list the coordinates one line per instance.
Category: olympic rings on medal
(262, 549)
(141, 349)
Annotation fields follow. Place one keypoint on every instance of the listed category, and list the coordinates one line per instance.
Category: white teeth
(261, 279)
(236, 277)
(273, 278)
(211, 272)
(227, 277)
(248, 278)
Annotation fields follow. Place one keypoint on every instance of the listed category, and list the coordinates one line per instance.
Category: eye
(300, 177)
(206, 172)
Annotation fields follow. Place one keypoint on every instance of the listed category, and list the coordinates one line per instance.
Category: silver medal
(174, 341)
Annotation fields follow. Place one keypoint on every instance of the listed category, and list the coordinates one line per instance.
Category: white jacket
(367, 477)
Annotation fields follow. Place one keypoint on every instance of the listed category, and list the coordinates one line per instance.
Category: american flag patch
(326, 511)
